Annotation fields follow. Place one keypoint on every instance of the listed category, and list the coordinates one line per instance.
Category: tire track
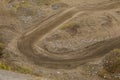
(25, 43)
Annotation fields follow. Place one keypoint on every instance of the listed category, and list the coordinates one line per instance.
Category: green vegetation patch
(111, 62)
(4, 66)
(111, 65)
(69, 25)
(21, 4)
(2, 46)
(45, 2)
(23, 70)
(71, 28)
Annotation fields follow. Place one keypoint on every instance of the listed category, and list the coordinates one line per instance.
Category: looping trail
(26, 42)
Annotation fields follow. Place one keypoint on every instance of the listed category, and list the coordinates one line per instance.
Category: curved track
(25, 43)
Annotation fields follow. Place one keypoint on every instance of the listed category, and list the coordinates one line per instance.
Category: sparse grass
(4, 66)
(107, 75)
(19, 69)
(71, 28)
(104, 74)
(23, 70)
(2, 46)
(111, 62)
(45, 2)
(27, 3)
(69, 25)
(111, 65)
(20, 4)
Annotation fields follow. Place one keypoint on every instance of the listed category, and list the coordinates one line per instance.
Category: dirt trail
(25, 43)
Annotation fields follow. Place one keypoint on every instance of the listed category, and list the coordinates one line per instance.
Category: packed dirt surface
(95, 25)
(6, 75)
(60, 38)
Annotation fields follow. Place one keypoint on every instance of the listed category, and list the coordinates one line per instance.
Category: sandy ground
(7, 75)
(27, 40)
(50, 48)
